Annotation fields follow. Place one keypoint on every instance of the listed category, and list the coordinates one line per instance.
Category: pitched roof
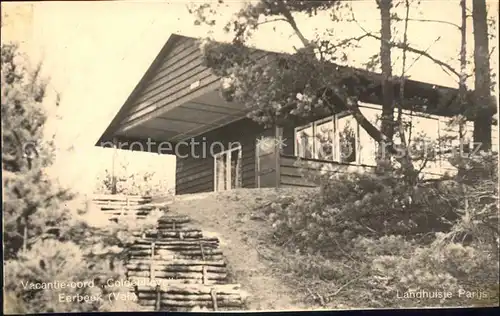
(427, 90)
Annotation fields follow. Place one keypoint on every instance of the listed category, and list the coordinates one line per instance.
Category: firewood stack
(176, 268)
(118, 205)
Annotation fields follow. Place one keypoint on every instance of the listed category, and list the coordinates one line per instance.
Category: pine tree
(25, 155)
(46, 238)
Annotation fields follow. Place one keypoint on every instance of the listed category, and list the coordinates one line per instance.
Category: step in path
(176, 268)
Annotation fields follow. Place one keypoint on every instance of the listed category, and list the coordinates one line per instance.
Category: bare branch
(420, 52)
(271, 21)
(426, 50)
(430, 21)
(407, 47)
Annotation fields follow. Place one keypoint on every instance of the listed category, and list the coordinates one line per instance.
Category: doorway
(227, 170)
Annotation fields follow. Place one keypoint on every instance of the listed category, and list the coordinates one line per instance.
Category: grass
(276, 278)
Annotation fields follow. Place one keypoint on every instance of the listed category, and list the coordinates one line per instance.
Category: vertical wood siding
(292, 170)
(195, 175)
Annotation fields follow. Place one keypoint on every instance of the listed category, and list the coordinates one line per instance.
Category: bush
(363, 205)
(391, 238)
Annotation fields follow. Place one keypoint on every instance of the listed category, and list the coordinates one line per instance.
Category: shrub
(363, 205)
(391, 238)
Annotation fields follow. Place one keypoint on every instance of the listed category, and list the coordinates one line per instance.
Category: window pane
(347, 139)
(450, 143)
(324, 140)
(368, 146)
(423, 133)
(305, 141)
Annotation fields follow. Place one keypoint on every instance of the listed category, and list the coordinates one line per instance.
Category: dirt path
(231, 217)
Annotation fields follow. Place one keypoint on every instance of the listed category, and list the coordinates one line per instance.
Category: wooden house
(176, 108)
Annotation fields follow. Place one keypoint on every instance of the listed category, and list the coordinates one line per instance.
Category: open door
(267, 159)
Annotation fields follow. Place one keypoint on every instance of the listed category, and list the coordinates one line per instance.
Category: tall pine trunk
(387, 119)
(484, 107)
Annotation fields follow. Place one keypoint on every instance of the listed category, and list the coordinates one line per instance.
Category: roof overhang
(199, 108)
(203, 111)
(181, 115)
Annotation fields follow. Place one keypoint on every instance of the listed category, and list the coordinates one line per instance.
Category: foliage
(25, 154)
(132, 183)
(362, 205)
(87, 253)
(382, 238)
(48, 236)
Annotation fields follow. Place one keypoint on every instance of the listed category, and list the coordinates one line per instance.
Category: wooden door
(227, 170)
(265, 151)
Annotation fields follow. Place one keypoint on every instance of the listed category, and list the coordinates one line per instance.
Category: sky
(96, 52)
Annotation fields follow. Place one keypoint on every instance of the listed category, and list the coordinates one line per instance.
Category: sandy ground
(235, 218)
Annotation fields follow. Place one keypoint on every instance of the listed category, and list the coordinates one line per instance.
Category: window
(347, 133)
(339, 138)
(324, 132)
(305, 141)
(322, 140)
(368, 147)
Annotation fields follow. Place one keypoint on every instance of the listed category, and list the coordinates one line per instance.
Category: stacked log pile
(123, 205)
(176, 268)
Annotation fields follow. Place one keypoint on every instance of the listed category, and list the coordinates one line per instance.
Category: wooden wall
(181, 66)
(195, 175)
(292, 170)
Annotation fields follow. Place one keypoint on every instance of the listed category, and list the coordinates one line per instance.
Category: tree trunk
(387, 119)
(483, 102)
(25, 235)
(462, 87)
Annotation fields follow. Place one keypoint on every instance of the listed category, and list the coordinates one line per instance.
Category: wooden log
(168, 241)
(198, 257)
(194, 289)
(180, 246)
(175, 256)
(174, 216)
(139, 207)
(176, 268)
(178, 262)
(174, 219)
(163, 282)
(162, 227)
(121, 197)
(178, 223)
(178, 275)
(175, 242)
(188, 297)
(179, 251)
(183, 230)
(163, 257)
(175, 303)
(173, 234)
(158, 298)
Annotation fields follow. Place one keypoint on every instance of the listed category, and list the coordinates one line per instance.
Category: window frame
(335, 143)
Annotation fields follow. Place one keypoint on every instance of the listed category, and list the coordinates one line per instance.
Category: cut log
(193, 289)
(184, 252)
(173, 257)
(169, 241)
(174, 219)
(169, 268)
(164, 283)
(178, 246)
(178, 275)
(180, 297)
(111, 207)
(173, 303)
(172, 234)
(183, 230)
(179, 262)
